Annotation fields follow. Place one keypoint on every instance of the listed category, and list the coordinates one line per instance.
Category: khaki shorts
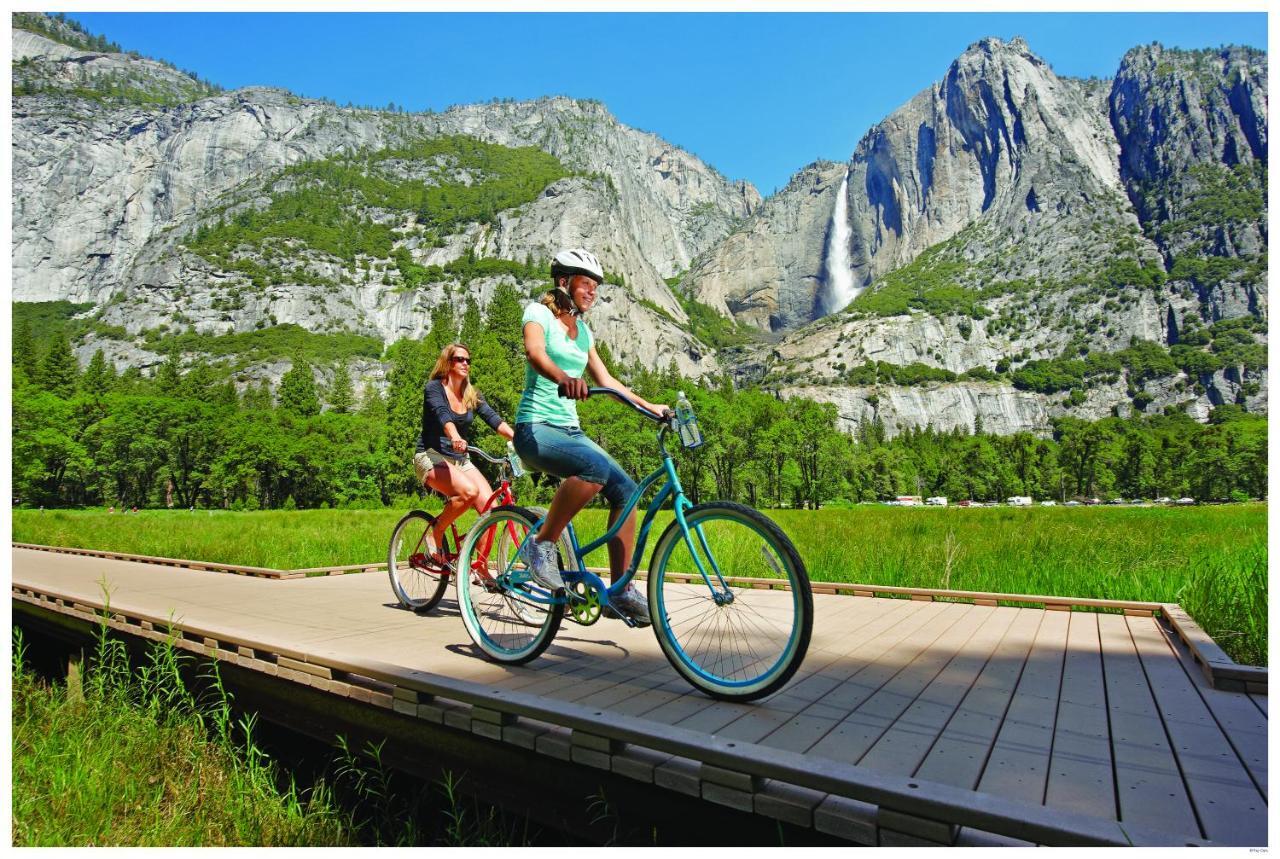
(429, 459)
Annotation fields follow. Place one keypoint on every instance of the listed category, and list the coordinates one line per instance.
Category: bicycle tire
(417, 586)
(746, 648)
(485, 603)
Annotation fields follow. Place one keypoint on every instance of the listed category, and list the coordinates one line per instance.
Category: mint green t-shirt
(539, 402)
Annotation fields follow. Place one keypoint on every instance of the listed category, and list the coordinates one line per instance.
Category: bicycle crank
(583, 603)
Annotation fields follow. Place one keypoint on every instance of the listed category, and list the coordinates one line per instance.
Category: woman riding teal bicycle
(559, 346)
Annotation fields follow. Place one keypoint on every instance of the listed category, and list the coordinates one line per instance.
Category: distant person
(559, 346)
(449, 404)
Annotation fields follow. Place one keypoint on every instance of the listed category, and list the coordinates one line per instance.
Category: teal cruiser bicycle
(729, 597)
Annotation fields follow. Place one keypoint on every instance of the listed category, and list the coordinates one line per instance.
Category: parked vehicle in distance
(1164, 499)
(1072, 504)
(909, 500)
(1049, 503)
(1019, 501)
(1185, 501)
(936, 501)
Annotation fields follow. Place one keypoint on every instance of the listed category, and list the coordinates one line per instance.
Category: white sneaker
(631, 603)
(543, 562)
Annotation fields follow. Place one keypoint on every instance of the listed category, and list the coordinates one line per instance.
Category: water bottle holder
(690, 436)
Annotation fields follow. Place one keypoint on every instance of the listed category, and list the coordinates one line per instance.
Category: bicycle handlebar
(623, 398)
(496, 460)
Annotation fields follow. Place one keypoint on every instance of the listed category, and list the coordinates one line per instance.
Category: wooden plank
(1080, 774)
(869, 720)
(1230, 808)
(906, 742)
(1149, 786)
(961, 750)
(1259, 701)
(1236, 713)
(1018, 765)
(847, 677)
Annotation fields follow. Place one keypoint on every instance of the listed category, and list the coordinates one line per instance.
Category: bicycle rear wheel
(746, 635)
(417, 583)
(497, 606)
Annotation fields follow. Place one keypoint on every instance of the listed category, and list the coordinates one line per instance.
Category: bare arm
(603, 377)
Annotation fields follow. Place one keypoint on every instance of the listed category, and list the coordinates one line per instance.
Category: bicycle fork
(722, 595)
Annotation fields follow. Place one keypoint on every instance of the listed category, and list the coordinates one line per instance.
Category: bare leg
(572, 496)
(620, 546)
(459, 494)
(483, 490)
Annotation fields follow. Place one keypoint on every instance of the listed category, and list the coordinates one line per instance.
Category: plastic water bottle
(517, 467)
(686, 423)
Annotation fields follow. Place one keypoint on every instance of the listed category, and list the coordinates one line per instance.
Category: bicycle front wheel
(417, 582)
(496, 599)
(730, 601)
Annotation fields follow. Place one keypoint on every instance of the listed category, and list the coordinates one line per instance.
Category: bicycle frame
(498, 498)
(672, 489)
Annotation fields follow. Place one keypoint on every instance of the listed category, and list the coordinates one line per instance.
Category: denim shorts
(567, 452)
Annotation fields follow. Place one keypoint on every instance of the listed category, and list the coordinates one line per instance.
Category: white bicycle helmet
(576, 261)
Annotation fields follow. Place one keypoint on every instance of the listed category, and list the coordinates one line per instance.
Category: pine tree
(26, 354)
(340, 395)
(443, 331)
(472, 325)
(169, 376)
(298, 391)
(257, 398)
(99, 377)
(372, 404)
(58, 369)
(502, 320)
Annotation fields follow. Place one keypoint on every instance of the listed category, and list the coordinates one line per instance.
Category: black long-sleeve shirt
(436, 412)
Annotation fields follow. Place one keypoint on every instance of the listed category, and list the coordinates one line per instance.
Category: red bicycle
(420, 570)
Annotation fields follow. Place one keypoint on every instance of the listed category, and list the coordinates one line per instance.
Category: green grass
(126, 754)
(1212, 560)
(116, 758)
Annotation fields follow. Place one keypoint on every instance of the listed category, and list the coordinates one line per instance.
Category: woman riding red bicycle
(450, 403)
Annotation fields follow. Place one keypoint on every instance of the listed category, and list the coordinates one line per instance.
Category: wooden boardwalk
(910, 722)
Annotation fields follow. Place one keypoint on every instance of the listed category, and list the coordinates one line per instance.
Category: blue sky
(756, 95)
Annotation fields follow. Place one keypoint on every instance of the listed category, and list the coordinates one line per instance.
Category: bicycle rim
(417, 584)
(486, 599)
(747, 645)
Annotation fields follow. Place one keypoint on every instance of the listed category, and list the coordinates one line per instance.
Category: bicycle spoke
(746, 640)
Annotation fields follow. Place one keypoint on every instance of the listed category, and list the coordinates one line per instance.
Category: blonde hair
(470, 396)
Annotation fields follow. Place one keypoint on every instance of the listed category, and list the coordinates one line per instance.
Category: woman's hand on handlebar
(573, 389)
(459, 445)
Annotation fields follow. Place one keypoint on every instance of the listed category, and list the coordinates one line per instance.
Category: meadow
(1212, 560)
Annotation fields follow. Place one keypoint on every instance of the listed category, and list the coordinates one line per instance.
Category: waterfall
(839, 289)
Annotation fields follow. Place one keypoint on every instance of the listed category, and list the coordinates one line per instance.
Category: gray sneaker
(631, 603)
(543, 562)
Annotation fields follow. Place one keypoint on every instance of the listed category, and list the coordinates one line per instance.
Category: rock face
(1003, 409)
(105, 191)
(1001, 216)
(782, 244)
(1006, 213)
(1174, 112)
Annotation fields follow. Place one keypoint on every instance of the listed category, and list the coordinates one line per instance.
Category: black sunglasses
(458, 359)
